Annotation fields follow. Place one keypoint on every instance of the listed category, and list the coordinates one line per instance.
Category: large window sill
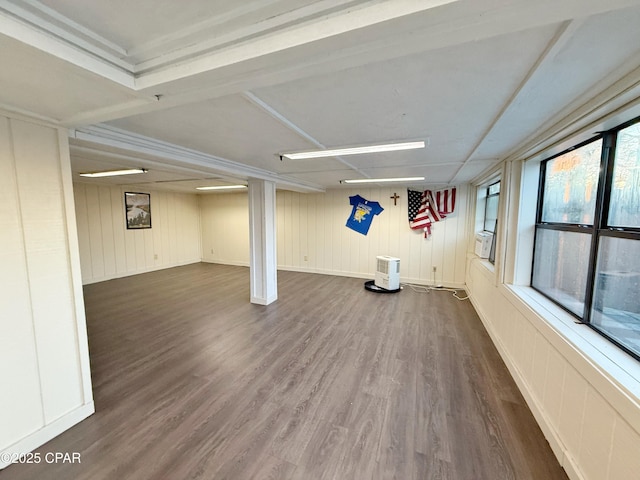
(482, 261)
(585, 344)
(487, 264)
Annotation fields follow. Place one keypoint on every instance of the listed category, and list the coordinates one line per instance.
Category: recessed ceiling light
(113, 173)
(389, 147)
(222, 187)
(381, 180)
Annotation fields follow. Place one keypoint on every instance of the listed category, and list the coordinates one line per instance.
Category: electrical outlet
(155, 256)
(435, 269)
(212, 251)
(306, 259)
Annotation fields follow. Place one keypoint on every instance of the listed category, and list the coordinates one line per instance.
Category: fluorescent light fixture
(222, 187)
(389, 147)
(113, 173)
(381, 180)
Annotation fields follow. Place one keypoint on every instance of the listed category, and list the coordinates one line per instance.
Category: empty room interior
(292, 239)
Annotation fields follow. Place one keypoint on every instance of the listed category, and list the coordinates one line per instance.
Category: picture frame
(137, 210)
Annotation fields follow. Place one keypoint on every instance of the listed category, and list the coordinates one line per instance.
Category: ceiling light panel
(114, 173)
(336, 152)
(223, 187)
(383, 180)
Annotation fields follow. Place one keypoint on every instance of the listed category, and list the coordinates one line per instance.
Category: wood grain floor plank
(268, 467)
(192, 381)
(321, 457)
(396, 447)
(294, 435)
(364, 424)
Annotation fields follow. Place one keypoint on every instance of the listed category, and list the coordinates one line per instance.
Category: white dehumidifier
(387, 272)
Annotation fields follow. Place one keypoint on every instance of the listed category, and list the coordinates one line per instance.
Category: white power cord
(428, 289)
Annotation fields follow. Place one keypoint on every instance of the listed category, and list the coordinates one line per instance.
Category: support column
(262, 242)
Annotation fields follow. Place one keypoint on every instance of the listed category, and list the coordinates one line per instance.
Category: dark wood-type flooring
(330, 382)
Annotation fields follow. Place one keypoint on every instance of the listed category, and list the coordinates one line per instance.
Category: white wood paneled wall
(108, 250)
(225, 228)
(44, 358)
(312, 237)
(592, 424)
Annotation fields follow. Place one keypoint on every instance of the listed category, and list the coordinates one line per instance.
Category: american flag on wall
(426, 208)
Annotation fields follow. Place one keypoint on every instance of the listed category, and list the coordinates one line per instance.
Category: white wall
(44, 362)
(225, 228)
(583, 391)
(591, 422)
(108, 250)
(313, 226)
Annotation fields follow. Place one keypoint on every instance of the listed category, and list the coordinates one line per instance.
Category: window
(587, 241)
(491, 207)
(491, 216)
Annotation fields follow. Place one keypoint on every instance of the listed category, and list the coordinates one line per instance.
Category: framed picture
(138, 210)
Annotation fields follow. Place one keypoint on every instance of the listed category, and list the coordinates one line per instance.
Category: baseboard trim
(369, 276)
(46, 433)
(137, 272)
(221, 262)
(538, 412)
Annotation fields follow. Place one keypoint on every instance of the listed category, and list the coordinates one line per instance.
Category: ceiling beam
(45, 18)
(172, 41)
(119, 160)
(202, 37)
(298, 34)
(115, 138)
(74, 51)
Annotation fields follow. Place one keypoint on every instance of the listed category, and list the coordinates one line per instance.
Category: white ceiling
(210, 92)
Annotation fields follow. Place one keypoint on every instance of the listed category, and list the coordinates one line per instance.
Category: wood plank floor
(329, 382)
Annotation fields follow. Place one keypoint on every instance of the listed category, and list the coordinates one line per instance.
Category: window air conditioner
(387, 273)
(483, 244)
